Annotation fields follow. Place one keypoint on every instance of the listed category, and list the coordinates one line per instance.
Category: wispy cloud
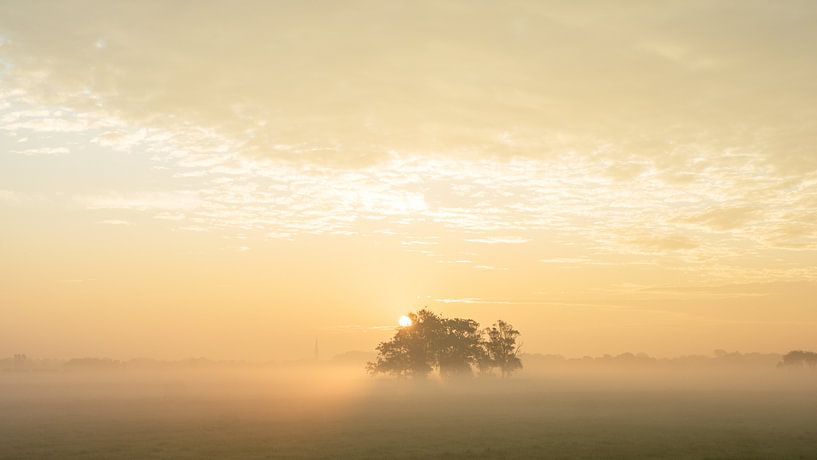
(473, 300)
(499, 240)
(44, 151)
(638, 180)
(664, 242)
(114, 222)
(724, 218)
(565, 260)
(140, 201)
(489, 267)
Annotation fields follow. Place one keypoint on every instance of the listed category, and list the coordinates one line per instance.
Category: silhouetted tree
(450, 345)
(501, 349)
(459, 347)
(412, 350)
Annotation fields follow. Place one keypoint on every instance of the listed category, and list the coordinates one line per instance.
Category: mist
(555, 407)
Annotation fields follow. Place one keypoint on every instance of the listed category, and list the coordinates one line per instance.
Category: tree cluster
(799, 358)
(451, 346)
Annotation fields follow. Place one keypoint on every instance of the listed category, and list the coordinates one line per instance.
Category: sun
(404, 321)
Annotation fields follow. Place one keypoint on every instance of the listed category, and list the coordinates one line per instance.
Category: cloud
(419, 242)
(140, 201)
(664, 243)
(565, 260)
(726, 218)
(489, 267)
(483, 80)
(499, 240)
(114, 222)
(466, 129)
(473, 300)
(456, 261)
(174, 216)
(44, 151)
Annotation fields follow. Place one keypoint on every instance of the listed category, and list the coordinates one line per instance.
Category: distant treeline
(799, 358)
(719, 359)
(23, 362)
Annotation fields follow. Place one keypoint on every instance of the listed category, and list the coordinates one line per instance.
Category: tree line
(799, 358)
(450, 346)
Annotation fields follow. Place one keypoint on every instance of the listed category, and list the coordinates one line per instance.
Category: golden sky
(235, 179)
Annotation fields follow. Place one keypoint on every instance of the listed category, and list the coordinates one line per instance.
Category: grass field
(332, 414)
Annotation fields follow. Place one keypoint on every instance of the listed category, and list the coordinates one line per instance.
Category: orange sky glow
(237, 181)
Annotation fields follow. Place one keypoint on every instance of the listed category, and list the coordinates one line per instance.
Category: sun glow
(404, 321)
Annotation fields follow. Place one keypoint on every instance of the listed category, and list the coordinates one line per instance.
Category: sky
(235, 180)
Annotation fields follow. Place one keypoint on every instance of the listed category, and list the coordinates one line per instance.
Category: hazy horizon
(326, 358)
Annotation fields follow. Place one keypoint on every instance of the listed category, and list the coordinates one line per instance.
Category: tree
(412, 350)
(459, 347)
(501, 349)
(452, 346)
(799, 358)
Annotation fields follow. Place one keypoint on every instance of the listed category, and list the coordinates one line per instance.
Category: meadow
(338, 412)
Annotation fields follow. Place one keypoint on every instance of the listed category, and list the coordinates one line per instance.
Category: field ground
(244, 415)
